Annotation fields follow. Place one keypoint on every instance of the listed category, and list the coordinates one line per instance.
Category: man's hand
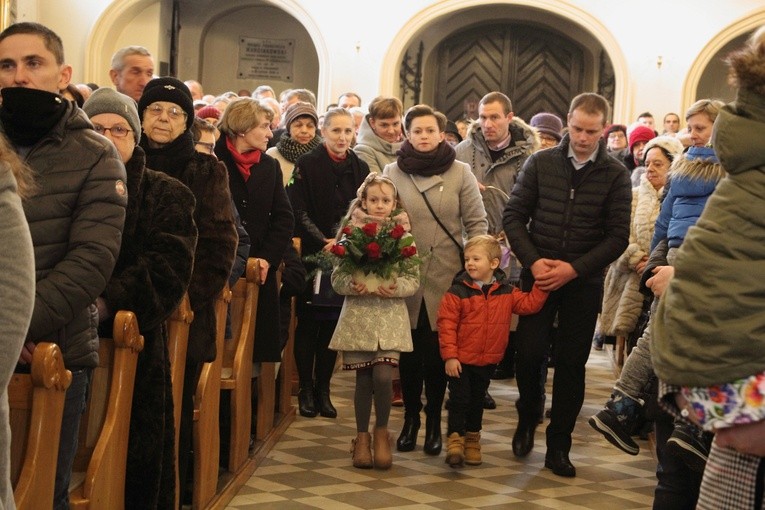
(660, 280)
(453, 367)
(559, 273)
(541, 266)
(26, 353)
(748, 439)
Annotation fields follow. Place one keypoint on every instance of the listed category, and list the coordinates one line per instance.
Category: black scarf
(425, 164)
(29, 114)
(171, 158)
(292, 150)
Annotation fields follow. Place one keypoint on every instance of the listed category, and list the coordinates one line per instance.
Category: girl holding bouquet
(374, 239)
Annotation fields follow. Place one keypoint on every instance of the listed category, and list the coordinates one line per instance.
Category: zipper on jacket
(567, 217)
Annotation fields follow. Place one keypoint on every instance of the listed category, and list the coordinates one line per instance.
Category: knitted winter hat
(106, 100)
(702, 153)
(669, 143)
(639, 133)
(451, 127)
(208, 112)
(547, 123)
(299, 109)
(171, 90)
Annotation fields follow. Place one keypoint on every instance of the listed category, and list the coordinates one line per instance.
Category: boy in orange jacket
(473, 330)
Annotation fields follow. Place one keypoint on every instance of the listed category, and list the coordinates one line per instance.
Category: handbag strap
(433, 213)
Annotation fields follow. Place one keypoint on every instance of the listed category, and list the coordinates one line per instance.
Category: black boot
(433, 434)
(306, 403)
(326, 409)
(408, 438)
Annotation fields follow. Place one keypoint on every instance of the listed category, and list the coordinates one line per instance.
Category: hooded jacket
(76, 221)
(500, 174)
(474, 325)
(373, 150)
(710, 326)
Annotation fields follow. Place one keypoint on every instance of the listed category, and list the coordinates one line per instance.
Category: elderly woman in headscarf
(151, 275)
(167, 112)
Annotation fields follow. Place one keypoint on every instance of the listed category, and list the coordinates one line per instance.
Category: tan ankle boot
(361, 449)
(383, 457)
(455, 449)
(473, 448)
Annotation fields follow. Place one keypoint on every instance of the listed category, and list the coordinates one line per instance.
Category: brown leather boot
(473, 448)
(455, 449)
(383, 457)
(361, 449)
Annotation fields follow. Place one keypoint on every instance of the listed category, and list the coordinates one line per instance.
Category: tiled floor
(311, 468)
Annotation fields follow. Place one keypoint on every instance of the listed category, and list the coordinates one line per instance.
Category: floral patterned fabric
(735, 403)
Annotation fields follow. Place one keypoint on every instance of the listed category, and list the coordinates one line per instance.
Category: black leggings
(312, 356)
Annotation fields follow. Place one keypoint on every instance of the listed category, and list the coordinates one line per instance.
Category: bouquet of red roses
(384, 249)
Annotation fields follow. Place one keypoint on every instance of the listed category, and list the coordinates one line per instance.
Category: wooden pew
(288, 370)
(36, 403)
(236, 375)
(206, 431)
(98, 478)
(177, 340)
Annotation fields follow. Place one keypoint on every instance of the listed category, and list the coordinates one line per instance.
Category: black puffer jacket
(587, 225)
(76, 221)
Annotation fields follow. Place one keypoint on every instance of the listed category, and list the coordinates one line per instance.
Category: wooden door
(539, 70)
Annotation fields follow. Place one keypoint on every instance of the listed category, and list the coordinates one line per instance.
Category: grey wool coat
(456, 200)
(17, 294)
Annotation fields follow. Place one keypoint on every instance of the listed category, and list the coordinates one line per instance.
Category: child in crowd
(473, 330)
(373, 328)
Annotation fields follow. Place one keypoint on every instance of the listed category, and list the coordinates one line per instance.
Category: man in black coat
(567, 219)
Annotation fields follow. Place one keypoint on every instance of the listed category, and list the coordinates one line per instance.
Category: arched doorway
(540, 70)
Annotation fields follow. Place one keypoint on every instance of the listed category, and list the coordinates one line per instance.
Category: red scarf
(334, 157)
(243, 161)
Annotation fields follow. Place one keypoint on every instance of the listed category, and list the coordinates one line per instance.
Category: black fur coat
(151, 275)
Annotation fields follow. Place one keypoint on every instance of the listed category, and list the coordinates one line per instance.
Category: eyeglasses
(117, 131)
(209, 147)
(173, 112)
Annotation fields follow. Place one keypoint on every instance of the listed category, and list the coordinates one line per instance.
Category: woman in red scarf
(255, 181)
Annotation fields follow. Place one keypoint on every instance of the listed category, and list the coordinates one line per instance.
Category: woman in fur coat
(167, 112)
(622, 300)
(151, 275)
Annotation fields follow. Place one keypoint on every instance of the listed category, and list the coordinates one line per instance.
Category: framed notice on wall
(266, 59)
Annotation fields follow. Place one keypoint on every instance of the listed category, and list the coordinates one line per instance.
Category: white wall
(359, 44)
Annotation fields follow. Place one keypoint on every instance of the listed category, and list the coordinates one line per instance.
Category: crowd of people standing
(129, 198)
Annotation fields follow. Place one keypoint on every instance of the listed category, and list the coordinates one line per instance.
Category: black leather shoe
(559, 463)
(306, 402)
(523, 440)
(488, 401)
(326, 409)
(408, 438)
(433, 441)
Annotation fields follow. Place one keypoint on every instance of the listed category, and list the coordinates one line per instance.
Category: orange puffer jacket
(474, 326)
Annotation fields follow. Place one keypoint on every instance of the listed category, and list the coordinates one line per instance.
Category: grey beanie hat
(106, 100)
(299, 109)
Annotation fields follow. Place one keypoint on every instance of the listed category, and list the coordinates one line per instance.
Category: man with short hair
(295, 95)
(195, 88)
(263, 91)
(671, 124)
(568, 218)
(349, 100)
(76, 217)
(132, 68)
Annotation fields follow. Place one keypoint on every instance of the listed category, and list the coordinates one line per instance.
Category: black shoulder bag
(433, 213)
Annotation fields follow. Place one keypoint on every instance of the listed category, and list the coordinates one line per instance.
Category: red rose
(397, 232)
(370, 229)
(338, 250)
(408, 251)
(373, 250)
(347, 230)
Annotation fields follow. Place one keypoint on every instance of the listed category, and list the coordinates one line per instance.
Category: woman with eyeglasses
(167, 111)
(300, 137)
(150, 277)
(255, 181)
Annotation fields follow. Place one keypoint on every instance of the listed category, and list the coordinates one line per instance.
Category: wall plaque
(268, 59)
